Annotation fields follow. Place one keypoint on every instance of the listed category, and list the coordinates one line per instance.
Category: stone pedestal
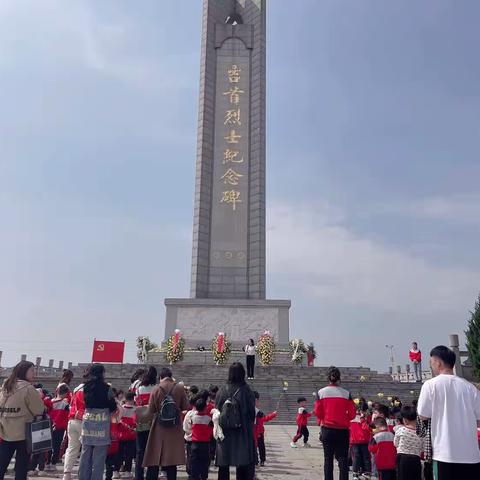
(201, 319)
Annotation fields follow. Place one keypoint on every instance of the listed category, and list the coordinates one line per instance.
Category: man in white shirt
(453, 405)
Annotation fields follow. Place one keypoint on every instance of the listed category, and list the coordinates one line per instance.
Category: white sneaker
(307, 445)
(116, 475)
(293, 445)
(67, 476)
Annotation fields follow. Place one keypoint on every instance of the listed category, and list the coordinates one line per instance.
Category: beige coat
(17, 409)
(166, 446)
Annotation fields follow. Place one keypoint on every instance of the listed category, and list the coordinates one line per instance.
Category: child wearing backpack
(198, 424)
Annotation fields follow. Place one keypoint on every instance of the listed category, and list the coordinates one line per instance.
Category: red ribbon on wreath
(176, 340)
(220, 342)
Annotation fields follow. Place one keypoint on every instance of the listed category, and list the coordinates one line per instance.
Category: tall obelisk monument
(228, 261)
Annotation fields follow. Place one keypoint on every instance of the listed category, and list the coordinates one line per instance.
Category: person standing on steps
(415, 356)
(250, 351)
(334, 410)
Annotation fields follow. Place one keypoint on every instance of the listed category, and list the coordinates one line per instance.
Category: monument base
(201, 319)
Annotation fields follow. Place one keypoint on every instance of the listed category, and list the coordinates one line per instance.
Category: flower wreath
(266, 349)
(297, 350)
(175, 348)
(221, 348)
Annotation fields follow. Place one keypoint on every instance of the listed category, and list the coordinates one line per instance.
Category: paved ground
(283, 462)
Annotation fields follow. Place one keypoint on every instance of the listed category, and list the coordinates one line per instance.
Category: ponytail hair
(333, 375)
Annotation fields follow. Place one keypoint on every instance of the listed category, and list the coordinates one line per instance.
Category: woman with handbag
(19, 404)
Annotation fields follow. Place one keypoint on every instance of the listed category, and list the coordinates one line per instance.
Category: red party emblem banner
(108, 352)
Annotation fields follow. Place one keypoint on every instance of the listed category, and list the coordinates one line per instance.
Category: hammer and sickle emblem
(101, 348)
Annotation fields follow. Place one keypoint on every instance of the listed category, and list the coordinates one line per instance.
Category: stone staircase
(302, 381)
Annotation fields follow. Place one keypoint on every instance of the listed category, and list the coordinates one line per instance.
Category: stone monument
(228, 260)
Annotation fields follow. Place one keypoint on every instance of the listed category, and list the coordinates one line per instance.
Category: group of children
(122, 449)
(388, 443)
(199, 424)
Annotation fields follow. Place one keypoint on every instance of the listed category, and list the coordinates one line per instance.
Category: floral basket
(266, 349)
(221, 349)
(175, 348)
(297, 350)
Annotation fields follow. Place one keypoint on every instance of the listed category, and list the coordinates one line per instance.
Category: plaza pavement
(283, 462)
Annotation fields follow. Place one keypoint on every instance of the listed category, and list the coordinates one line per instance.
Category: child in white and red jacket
(360, 436)
(199, 424)
(383, 448)
(59, 412)
(259, 430)
(302, 421)
(128, 434)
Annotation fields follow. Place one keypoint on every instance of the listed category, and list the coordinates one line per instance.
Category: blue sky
(373, 204)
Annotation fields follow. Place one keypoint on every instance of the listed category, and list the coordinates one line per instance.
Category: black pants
(57, 439)
(127, 452)
(409, 467)
(250, 366)
(199, 460)
(387, 475)
(335, 445)
(361, 459)
(171, 472)
(7, 449)
(112, 464)
(262, 452)
(188, 448)
(456, 471)
(246, 472)
(428, 471)
(142, 439)
(302, 432)
(37, 461)
(213, 449)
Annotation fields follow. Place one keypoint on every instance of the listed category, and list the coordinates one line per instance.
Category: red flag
(108, 352)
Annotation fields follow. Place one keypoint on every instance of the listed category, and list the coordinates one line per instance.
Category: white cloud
(464, 208)
(323, 257)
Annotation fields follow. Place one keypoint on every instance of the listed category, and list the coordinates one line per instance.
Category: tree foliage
(473, 338)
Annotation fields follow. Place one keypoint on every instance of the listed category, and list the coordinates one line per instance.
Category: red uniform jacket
(142, 395)
(128, 424)
(415, 356)
(302, 417)
(202, 427)
(335, 407)
(77, 407)
(260, 421)
(360, 432)
(59, 413)
(384, 450)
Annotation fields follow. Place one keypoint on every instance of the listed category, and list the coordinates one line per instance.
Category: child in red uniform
(202, 433)
(302, 421)
(383, 449)
(59, 411)
(360, 436)
(128, 435)
(415, 356)
(259, 430)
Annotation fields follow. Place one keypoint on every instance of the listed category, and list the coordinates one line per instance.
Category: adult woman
(166, 445)
(144, 387)
(335, 410)
(238, 448)
(250, 351)
(99, 405)
(19, 403)
(74, 428)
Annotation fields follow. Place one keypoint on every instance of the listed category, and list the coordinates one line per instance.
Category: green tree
(473, 338)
